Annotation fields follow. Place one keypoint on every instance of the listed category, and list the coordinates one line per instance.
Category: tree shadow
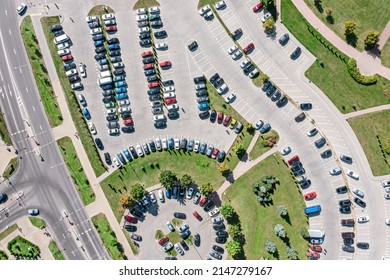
(375, 51)
(286, 240)
(351, 39)
(287, 218)
(330, 19)
(318, 5)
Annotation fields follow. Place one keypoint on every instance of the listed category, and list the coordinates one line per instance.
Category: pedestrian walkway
(367, 111)
(367, 63)
(385, 35)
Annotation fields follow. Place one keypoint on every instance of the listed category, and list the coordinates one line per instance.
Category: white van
(105, 74)
(105, 81)
(60, 39)
(316, 233)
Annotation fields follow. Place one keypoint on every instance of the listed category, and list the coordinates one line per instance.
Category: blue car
(106, 87)
(170, 143)
(168, 193)
(103, 61)
(265, 128)
(203, 106)
(86, 113)
(121, 84)
(121, 158)
(127, 154)
(121, 96)
(120, 90)
(202, 149)
(114, 47)
(141, 206)
(98, 43)
(174, 193)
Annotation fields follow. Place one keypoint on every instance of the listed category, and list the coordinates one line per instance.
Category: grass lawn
(40, 73)
(385, 54)
(76, 170)
(3, 256)
(98, 11)
(201, 168)
(57, 254)
(368, 17)
(145, 4)
(4, 134)
(333, 79)
(11, 168)
(73, 105)
(133, 248)
(174, 237)
(159, 234)
(367, 128)
(108, 237)
(176, 222)
(206, 2)
(257, 221)
(258, 81)
(37, 222)
(261, 146)
(23, 248)
(8, 231)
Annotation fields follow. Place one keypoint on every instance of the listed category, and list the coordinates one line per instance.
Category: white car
(190, 193)
(109, 22)
(63, 52)
(217, 220)
(141, 11)
(169, 95)
(108, 16)
(139, 150)
(77, 86)
(214, 212)
(363, 219)
(96, 31)
(63, 46)
(178, 249)
(196, 198)
(172, 107)
(253, 74)
(387, 221)
(168, 89)
(236, 55)
(358, 192)
(200, 86)
(111, 111)
(143, 30)
(312, 132)
(204, 10)
(118, 65)
(222, 89)
(183, 228)
(159, 118)
(196, 146)
(170, 226)
(161, 46)
(124, 110)
(160, 194)
(335, 171)
(83, 71)
(158, 144)
(116, 162)
(113, 131)
(168, 247)
(232, 49)
(154, 10)
(164, 143)
(141, 17)
(285, 151)
(152, 198)
(92, 128)
(386, 183)
(352, 174)
(244, 63)
(21, 8)
(259, 124)
(387, 195)
(231, 98)
(177, 143)
(266, 16)
(71, 72)
(209, 15)
(92, 18)
(220, 5)
(123, 102)
(387, 189)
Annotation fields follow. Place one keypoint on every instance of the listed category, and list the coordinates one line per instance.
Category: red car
(293, 160)
(220, 117)
(215, 153)
(170, 100)
(153, 84)
(226, 120)
(67, 57)
(313, 255)
(163, 240)
(199, 217)
(111, 28)
(257, 7)
(203, 201)
(148, 66)
(310, 195)
(316, 248)
(165, 64)
(147, 53)
(249, 48)
(131, 219)
(128, 122)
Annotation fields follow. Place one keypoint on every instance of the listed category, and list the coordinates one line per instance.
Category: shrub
(358, 77)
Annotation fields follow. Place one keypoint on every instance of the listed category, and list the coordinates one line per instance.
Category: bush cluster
(358, 77)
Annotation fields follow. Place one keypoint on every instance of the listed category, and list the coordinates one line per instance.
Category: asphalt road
(46, 184)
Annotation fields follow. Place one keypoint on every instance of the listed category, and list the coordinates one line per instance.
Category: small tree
(291, 253)
(206, 189)
(371, 39)
(126, 200)
(280, 230)
(270, 247)
(304, 233)
(328, 12)
(224, 168)
(269, 24)
(282, 210)
(234, 231)
(240, 150)
(137, 191)
(167, 179)
(186, 181)
(264, 77)
(269, 3)
(227, 211)
(233, 248)
(349, 27)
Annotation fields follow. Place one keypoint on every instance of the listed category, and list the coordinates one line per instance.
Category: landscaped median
(11, 168)
(145, 4)
(4, 134)
(73, 105)
(57, 254)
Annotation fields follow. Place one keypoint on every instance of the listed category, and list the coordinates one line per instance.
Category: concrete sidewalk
(367, 111)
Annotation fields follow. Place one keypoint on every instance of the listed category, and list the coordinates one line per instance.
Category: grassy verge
(74, 108)
(176, 222)
(4, 134)
(258, 81)
(57, 254)
(242, 198)
(8, 231)
(385, 54)
(333, 77)
(263, 144)
(174, 237)
(145, 4)
(206, 2)
(76, 170)
(11, 168)
(372, 130)
(201, 168)
(37, 222)
(159, 234)
(40, 73)
(98, 11)
(353, 10)
(108, 237)
(3, 256)
(133, 248)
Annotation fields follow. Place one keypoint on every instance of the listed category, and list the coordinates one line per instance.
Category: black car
(349, 249)
(108, 99)
(100, 56)
(300, 117)
(208, 205)
(185, 234)
(202, 92)
(96, 37)
(112, 118)
(363, 245)
(168, 83)
(197, 240)
(150, 72)
(100, 49)
(306, 106)
(345, 210)
(153, 90)
(266, 85)
(149, 59)
(345, 202)
(282, 101)
(130, 228)
(271, 89)
(152, 146)
(346, 159)
(144, 36)
(3, 197)
(193, 46)
(284, 39)
(173, 115)
(218, 249)
(348, 241)
(69, 66)
(74, 79)
(183, 144)
(200, 79)
(276, 96)
(136, 237)
(108, 92)
(216, 255)
(55, 27)
(218, 82)
(99, 143)
(326, 154)
(320, 142)
(221, 156)
(136, 213)
(296, 53)
(204, 115)
(214, 78)
(220, 240)
(133, 152)
(156, 23)
(145, 43)
(219, 227)
(118, 72)
(160, 34)
(237, 34)
(107, 158)
(113, 41)
(213, 116)
(126, 116)
(114, 53)
(94, 24)
(152, 78)
(305, 184)
(184, 245)
(250, 67)
(179, 215)
(360, 202)
(59, 33)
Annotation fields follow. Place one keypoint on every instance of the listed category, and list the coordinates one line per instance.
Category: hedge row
(358, 77)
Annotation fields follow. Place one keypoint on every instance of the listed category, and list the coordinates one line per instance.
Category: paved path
(367, 64)
(385, 35)
(367, 111)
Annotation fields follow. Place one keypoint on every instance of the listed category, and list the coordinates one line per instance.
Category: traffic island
(23, 249)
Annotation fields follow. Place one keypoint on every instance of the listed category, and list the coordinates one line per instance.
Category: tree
(234, 231)
(282, 210)
(126, 200)
(349, 27)
(269, 24)
(270, 247)
(371, 39)
(280, 230)
(206, 189)
(240, 150)
(224, 168)
(233, 248)
(186, 181)
(167, 179)
(137, 191)
(304, 233)
(328, 12)
(227, 211)
(291, 253)
(268, 3)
